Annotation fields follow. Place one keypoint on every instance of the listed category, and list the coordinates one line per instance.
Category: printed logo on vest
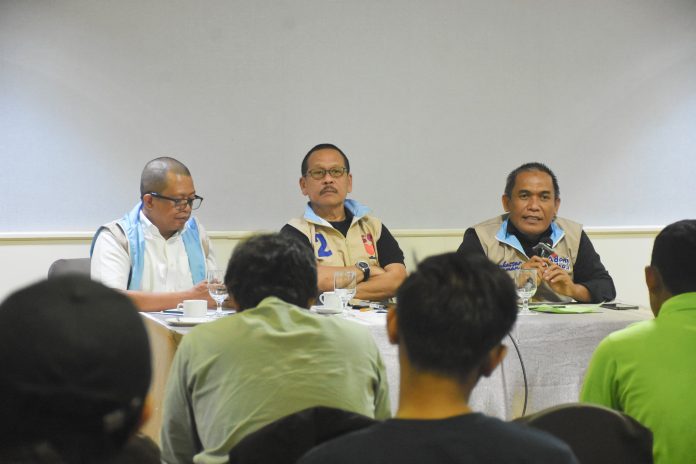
(323, 250)
(369, 245)
(513, 266)
(561, 261)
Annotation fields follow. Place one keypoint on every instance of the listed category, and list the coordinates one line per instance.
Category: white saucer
(325, 310)
(182, 321)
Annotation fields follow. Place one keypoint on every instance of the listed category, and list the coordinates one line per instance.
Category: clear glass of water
(526, 285)
(345, 286)
(217, 289)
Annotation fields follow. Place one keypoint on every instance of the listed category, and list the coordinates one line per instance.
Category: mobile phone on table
(618, 306)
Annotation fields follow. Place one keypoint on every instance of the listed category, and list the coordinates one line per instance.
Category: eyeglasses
(319, 174)
(181, 203)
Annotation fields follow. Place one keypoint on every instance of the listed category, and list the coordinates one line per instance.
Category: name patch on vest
(323, 250)
(561, 261)
(510, 266)
(369, 244)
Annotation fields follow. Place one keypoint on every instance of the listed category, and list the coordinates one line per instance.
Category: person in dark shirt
(450, 319)
(572, 268)
(342, 233)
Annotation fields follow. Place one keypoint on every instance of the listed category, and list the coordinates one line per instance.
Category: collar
(357, 209)
(678, 303)
(150, 229)
(508, 234)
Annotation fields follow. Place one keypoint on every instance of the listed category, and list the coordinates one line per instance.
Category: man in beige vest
(341, 232)
(531, 201)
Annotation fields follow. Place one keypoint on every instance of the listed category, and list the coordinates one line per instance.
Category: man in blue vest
(158, 252)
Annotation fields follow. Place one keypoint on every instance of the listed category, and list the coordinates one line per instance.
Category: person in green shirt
(274, 358)
(647, 370)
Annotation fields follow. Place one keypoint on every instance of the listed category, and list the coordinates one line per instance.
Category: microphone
(544, 249)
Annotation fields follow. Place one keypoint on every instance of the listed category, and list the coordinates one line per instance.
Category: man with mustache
(158, 252)
(531, 201)
(341, 232)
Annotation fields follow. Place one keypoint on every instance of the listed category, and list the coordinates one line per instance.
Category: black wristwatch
(365, 268)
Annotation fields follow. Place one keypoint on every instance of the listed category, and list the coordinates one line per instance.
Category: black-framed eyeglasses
(319, 174)
(181, 203)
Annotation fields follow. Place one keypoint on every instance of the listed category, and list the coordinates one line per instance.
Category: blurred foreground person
(75, 374)
(450, 319)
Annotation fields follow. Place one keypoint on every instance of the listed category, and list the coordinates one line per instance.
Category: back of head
(75, 363)
(154, 175)
(452, 311)
(533, 166)
(271, 265)
(674, 255)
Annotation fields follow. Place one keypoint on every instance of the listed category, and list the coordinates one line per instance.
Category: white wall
(433, 100)
(623, 252)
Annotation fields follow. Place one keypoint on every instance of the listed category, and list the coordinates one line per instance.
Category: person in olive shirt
(232, 376)
(531, 201)
(342, 233)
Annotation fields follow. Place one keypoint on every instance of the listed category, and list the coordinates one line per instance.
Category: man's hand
(558, 279)
(200, 292)
(540, 264)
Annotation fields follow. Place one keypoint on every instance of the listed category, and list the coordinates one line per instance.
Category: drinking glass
(217, 289)
(345, 284)
(526, 285)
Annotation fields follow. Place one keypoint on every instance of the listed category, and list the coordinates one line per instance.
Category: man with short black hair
(569, 268)
(75, 374)
(158, 252)
(342, 233)
(647, 370)
(235, 375)
(450, 319)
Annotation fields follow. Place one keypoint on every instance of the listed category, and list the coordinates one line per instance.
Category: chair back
(69, 266)
(596, 434)
(287, 439)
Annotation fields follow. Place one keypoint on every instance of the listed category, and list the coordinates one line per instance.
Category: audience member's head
(75, 370)
(671, 271)
(272, 265)
(452, 312)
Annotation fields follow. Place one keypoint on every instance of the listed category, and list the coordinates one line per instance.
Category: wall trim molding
(237, 235)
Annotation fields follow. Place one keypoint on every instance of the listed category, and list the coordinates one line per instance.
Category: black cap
(74, 356)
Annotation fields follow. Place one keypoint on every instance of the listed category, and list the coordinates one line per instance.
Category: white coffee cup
(330, 300)
(194, 308)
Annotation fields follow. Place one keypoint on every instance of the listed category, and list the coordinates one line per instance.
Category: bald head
(154, 176)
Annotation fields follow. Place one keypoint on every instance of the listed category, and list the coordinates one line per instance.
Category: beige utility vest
(506, 251)
(331, 248)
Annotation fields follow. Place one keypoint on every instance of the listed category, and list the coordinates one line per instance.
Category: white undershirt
(165, 264)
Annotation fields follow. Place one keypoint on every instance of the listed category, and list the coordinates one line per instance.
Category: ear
(148, 200)
(506, 203)
(303, 185)
(557, 204)
(493, 359)
(392, 327)
(350, 183)
(653, 279)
